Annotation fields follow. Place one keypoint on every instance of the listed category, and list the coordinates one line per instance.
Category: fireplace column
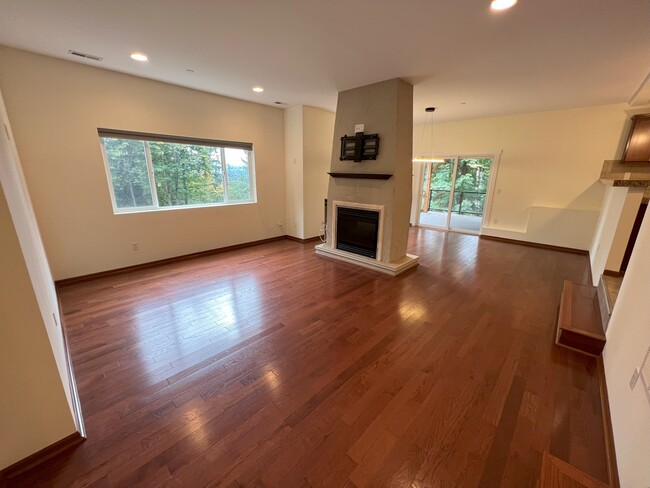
(386, 109)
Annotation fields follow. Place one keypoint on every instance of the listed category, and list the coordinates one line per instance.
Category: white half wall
(563, 227)
(628, 339)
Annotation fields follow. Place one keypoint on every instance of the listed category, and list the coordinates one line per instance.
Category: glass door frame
(418, 185)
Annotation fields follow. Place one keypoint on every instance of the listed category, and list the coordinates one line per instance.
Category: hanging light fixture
(428, 120)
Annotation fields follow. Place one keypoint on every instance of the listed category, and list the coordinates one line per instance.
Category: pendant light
(428, 120)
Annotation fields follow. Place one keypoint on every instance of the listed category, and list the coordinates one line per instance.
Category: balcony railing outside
(465, 202)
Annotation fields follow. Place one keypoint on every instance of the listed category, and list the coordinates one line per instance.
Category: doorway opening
(455, 193)
(617, 263)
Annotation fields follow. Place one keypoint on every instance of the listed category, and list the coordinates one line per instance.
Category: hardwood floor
(269, 366)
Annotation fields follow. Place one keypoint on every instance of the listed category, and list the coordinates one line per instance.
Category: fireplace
(356, 235)
(357, 231)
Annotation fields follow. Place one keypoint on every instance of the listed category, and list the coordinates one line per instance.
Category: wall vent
(85, 55)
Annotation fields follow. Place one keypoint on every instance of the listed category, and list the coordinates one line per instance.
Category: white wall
(547, 189)
(624, 229)
(33, 405)
(56, 106)
(603, 237)
(628, 339)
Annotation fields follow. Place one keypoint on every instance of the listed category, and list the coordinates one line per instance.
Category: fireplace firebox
(357, 231)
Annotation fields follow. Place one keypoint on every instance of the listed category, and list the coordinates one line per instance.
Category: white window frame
(146, 139)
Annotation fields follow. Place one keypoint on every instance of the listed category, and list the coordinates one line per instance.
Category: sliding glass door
(454, 193)
(436, 193)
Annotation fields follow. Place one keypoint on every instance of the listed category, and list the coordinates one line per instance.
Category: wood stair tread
(580, 325)
(560, 474)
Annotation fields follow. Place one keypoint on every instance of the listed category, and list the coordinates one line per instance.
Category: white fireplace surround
(329, 248)
(361, 206)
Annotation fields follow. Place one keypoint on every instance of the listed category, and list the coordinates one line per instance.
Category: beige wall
(308, 144)
(22, 214)
(317, 135)
(613, 204)
(33, 405)
(547, 188)
(628, 339)
(55, 108)
(293, 171)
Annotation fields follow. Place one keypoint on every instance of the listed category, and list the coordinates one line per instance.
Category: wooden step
(580, 324)
(559, 474)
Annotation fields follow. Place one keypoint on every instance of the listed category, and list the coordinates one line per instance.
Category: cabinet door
(638, 143)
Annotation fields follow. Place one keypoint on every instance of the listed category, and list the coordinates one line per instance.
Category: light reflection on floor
(181, 324)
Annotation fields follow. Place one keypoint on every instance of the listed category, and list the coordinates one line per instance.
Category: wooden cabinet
(638, 142)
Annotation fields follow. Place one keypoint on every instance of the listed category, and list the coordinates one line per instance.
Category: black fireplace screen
(357, 230)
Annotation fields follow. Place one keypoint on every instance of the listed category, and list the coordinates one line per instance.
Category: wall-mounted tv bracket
(359, 147)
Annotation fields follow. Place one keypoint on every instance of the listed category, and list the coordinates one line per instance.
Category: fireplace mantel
(366, 176)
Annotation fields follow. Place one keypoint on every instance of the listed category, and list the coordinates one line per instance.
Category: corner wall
(293, 171)
(33, 406)
(547, 189)
(56, 106)
(318, 132)
(624, 229)
(308, 135)
(628, 339)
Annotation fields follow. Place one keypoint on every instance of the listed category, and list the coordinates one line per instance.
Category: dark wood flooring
(269, 366)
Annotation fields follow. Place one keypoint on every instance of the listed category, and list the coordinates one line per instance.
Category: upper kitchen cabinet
(638, 142)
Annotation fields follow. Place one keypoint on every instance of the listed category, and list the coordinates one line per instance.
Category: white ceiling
(540, 55)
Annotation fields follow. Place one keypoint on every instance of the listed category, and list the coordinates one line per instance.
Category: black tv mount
(359, 147)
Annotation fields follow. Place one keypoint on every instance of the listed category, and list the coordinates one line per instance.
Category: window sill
(179, 207)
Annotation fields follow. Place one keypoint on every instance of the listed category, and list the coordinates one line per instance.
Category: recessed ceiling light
(139, 57)
(258, 89)
(502, 4)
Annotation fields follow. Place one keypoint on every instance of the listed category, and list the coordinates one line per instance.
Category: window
(150, 172)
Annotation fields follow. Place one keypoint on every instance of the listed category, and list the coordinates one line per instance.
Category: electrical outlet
(359, 127)
(135, 246)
